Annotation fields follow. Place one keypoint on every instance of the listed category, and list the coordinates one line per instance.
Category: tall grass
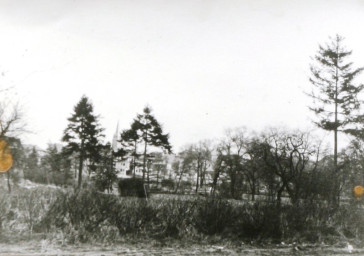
(92, 216)
(21, 210)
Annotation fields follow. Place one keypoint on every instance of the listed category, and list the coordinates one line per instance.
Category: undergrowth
(90, 216)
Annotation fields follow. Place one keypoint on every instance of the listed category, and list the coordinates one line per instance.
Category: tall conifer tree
(151, 134)
(335, 95)
(82, 135)
(334, 92)
(129, 140)
(105, 171)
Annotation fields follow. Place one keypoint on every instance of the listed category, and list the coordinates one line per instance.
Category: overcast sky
(202, 65)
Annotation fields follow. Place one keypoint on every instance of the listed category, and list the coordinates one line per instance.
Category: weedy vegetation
(90, 216)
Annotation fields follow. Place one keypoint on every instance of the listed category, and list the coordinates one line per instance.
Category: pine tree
(129, 140)
(31, 171)
(82, 136)
(105, 171)
(334, 92)
(151, 134)
(51, 162)
(335, 95)
(55, 165)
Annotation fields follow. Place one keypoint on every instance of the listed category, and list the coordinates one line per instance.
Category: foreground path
(44, 249)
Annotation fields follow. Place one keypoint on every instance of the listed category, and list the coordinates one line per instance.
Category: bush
(132, 216)
(257, 221)
(81, 215)
(59, 179)
(213, 216)
(168, 184)
(23, 209)
(185, 186)
(175, 218)
(131, 187)
(94, 216)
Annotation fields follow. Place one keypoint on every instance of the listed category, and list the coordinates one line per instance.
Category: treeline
(274, 164)
(85, 154)
(295, 183)
(45, 167)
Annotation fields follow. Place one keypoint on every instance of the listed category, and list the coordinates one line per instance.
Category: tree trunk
(135, 152)
(253, 190)
(80, 167)
(112, 168)
(336, 193)
(144, 157)
(214, 181)
(148, 175)
(279, 195)
(232, 184)
(203, 174)
(179, 182)
(197, 178)
(80, 172)
(158, 177)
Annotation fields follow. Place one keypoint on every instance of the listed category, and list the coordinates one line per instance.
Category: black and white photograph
(181, 127)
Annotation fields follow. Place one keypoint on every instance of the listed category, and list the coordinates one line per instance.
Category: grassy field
(41, 217)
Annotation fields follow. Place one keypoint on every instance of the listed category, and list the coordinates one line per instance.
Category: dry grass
(89, 216)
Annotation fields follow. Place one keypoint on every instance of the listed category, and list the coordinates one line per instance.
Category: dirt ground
(42, 248)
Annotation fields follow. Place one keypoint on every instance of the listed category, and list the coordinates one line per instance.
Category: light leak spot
(358, 192)
(6, 158)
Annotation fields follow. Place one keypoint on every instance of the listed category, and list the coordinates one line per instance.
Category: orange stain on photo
(358, 192)
(6, 159)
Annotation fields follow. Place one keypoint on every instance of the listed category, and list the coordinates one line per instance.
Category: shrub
(174, 217)
(79, 214)
(94, 216)
(213, 216)
(257, 221)
(22, 210)
(168, 184)
(131, 187)
(185, 186)
(133, 215)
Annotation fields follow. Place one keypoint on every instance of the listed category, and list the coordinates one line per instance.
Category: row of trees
(83, 138)
(284, 162)
(276, 164)
(292, 162)
(84, 150)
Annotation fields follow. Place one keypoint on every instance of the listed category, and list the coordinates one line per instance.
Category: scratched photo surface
(158, 127)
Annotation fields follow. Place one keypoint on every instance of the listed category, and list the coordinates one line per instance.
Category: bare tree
(254, 165)
(11, 120)
(230, 158)
(183, 166)
(289, 156)
(200, 157)
(11, 125)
